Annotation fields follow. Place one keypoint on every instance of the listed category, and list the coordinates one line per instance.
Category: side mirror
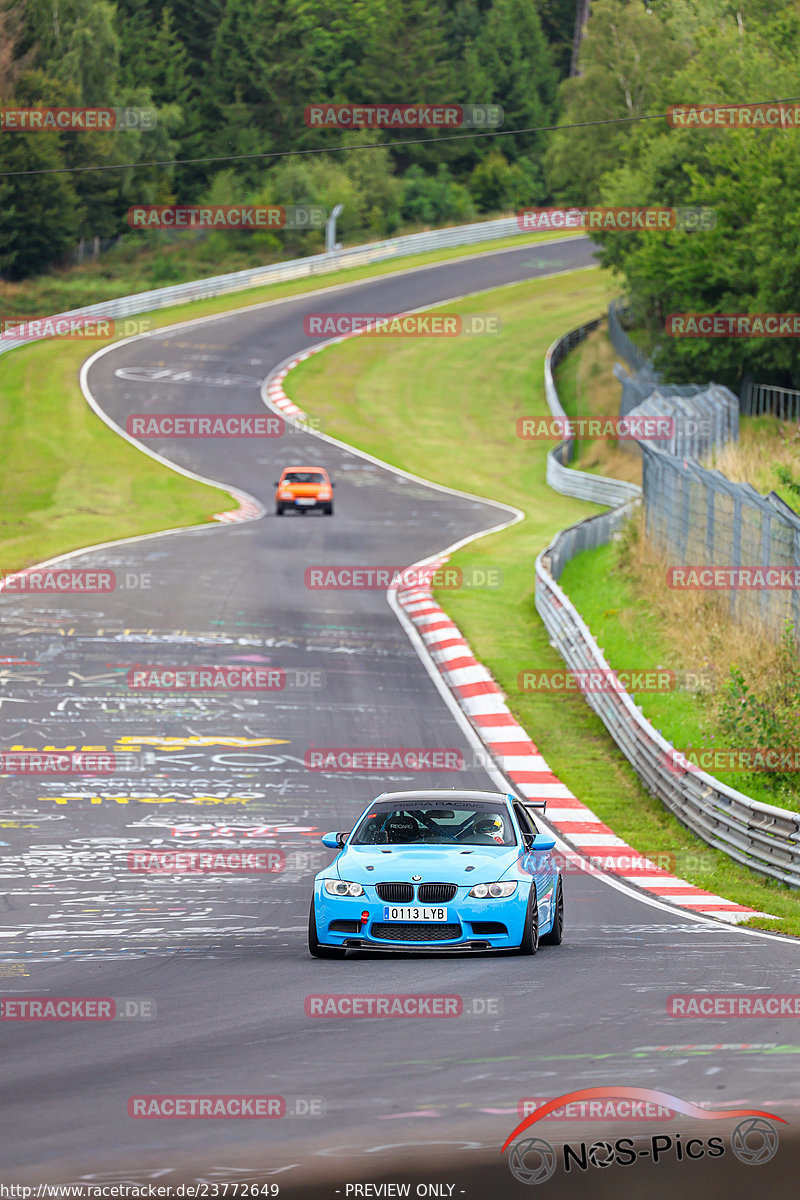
(334, 841)
(276, 483)
(333, 485)
(543, 842)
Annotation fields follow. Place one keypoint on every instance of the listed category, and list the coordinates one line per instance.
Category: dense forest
(230, 80)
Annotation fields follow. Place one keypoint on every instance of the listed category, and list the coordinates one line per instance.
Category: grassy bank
(639, 623)
(465, 396)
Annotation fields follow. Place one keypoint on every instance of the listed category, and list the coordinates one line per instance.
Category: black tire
(530, 938)
(278, 510)
(556, 934)
(314, 948)
(328, 510)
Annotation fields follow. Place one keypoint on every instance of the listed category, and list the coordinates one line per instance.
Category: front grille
(395, 892)
(436, 893)
(345, 927)
(415, 933)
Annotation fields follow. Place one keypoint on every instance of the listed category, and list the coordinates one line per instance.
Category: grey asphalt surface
(223, 958)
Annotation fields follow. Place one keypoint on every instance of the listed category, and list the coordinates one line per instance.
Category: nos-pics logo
(533, 1160)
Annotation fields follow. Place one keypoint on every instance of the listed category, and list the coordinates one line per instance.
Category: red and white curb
(597, 848)
(248, 510)
(277, 396)
(519, 759)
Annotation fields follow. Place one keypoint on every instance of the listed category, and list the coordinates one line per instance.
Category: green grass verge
(632, 637)
(447, 410)
(70, 481)
(619, 613)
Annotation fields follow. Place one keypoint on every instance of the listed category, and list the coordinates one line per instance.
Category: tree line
(639, 59)
(231, 79)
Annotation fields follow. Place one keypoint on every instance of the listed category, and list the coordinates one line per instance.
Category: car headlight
(285, 494)
(324, 494)
(340, 887)
(493, 891)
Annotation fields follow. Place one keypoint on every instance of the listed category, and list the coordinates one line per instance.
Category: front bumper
(471, 924)
(304, 503)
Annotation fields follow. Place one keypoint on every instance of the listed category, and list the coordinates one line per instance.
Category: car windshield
(303, 477)
(464, 823)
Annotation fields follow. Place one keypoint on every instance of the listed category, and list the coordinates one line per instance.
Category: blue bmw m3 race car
(438, 870)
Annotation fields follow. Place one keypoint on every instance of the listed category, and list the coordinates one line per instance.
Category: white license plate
(414, 914)
(302, 501)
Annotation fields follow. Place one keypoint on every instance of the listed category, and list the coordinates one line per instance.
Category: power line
(456, 137)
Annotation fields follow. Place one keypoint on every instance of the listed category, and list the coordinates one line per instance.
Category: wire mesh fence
(717, 535)
(622, 343)
(698, 423)
(698, 516)
(725, 537)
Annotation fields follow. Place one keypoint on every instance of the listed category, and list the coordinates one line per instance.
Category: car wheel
(530, 938)
(328, 510)
(554, 937)
(315, 949)
(278, 510)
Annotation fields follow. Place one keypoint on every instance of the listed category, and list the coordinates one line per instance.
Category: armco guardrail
(597, 488)
(760, 836)
(298, 268)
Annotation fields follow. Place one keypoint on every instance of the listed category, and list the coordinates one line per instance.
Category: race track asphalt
(223, 957)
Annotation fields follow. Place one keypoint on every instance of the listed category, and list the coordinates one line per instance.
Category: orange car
(304, 488)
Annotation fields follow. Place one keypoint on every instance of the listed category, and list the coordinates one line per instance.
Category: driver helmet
(492, 825)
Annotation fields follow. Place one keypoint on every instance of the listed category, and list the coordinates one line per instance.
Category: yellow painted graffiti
(148, 799)
(162, 743)
(181, 743)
